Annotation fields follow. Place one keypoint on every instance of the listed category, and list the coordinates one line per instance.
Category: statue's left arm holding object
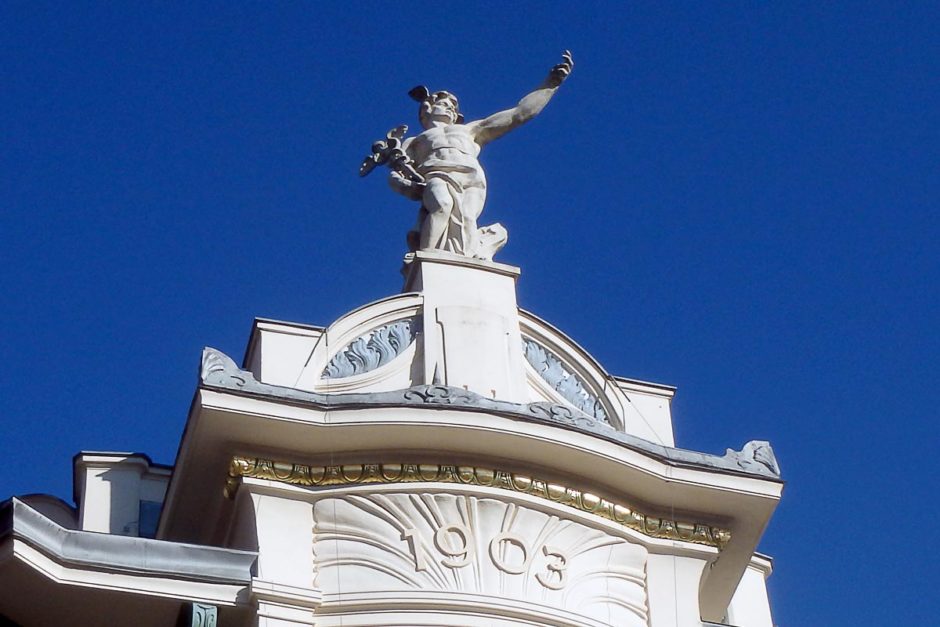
(498, 124)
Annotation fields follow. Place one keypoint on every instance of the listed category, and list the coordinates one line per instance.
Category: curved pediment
(372, 348)
(559, 370)
(408, 340)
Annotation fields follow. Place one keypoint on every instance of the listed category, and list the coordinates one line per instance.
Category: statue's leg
(413, 238)
(471, 208)
(439, 205)
(473, 199)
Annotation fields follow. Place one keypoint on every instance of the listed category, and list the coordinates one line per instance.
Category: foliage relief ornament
(756, 455)
(371, 351)
(563, 381)
(439, 395)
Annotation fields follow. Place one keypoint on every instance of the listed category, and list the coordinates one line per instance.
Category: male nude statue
(442, 170)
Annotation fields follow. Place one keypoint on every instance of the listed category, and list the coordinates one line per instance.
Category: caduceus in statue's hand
(440, 168)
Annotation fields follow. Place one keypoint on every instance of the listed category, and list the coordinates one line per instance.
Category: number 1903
(455, 544)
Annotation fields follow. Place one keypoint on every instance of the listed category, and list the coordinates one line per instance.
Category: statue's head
(441, 106)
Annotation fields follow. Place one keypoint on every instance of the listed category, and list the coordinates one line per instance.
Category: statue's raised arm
(440, 167)
(498, 124)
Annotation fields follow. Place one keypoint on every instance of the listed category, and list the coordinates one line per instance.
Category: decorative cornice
(362, 474)
(219, 372)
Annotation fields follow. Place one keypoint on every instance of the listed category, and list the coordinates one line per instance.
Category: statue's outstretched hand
(560, 72)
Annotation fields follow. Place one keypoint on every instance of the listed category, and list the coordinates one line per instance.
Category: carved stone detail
(562, 380)
(439, 166)
(756, 455)
(559, 413)
(217, 367)
(432, 542)
(359, 474)
(439, 395)
(219, 372)
(371, 351)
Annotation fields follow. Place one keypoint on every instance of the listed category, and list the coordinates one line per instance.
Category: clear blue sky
(736, 198)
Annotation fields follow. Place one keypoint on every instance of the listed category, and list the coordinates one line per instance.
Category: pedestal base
(471, 323)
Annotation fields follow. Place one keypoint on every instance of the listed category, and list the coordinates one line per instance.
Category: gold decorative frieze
(361, 474)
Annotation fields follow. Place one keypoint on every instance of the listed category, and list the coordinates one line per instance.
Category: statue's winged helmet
(422, 95)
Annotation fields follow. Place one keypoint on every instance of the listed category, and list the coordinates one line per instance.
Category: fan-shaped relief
(412, 542)
(562, 380)
(372, 350)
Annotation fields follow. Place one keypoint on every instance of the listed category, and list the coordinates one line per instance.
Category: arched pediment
(559, 370)
(372, 348)
(383, 346)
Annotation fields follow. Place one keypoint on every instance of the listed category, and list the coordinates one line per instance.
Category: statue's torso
(446, 148)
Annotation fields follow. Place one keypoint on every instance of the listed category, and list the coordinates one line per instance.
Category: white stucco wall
(110, 487)
(750, 606)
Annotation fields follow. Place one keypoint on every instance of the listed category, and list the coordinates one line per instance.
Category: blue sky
(738, 198)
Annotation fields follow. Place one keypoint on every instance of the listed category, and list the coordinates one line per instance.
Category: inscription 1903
(455, 544)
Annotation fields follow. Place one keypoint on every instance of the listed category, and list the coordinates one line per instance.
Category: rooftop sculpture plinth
(471, 337)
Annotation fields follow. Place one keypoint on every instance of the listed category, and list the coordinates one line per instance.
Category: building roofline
(755, 460)
(143, 456)
(653, 384)
(258, 321)
(287, 323)
(79, 457)
(141, 556)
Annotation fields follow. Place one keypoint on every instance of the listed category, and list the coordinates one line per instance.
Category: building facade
(437, 457)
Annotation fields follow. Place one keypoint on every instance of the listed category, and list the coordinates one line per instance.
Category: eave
(53, 575)
(234, 415)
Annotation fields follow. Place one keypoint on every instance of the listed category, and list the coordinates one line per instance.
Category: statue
(439, 167)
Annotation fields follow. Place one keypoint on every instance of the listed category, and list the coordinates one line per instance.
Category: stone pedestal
(470, 319)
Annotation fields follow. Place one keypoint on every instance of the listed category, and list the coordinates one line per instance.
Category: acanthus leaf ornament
(560, 379)
(371, 351)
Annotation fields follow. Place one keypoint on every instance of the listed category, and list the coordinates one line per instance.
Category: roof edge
(141, 556)
(756, 459)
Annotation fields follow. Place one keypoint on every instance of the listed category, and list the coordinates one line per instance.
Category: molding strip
(219, 372)
(360, 474)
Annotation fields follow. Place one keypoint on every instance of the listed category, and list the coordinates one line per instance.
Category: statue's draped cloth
(466, 185)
